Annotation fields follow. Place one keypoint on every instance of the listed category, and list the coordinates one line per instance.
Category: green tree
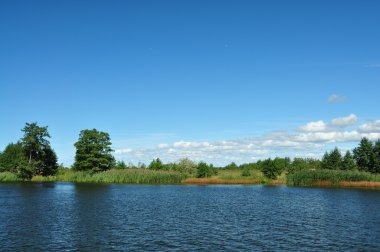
(332, 160)
(335, 159)
(12, 157)
(363, 155)
(348, 162)
(269, 169)
(42, 159)
(49, 162)
(376, 157)
(231, 166)
(121, 165)
(156, 165)
(245, 172)
(186, 165)
(93, 151)
(34, 140)
(204, 170)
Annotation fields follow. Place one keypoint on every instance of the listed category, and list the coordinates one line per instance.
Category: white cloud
(313, 126)
(123, 151)
(345, 121)
(309, 141)
(161, 146)
(371, 126)
(335, 98)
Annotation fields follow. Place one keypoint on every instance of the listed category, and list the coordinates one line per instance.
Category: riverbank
(307, 178)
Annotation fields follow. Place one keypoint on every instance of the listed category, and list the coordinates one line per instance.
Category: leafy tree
(42, 159)
(156, 165)
(363, 155)
(12, 157)
(231, 166)
(270, 169)
(93, 151)
(281, 164)
(120, 165)
(34, 140)
(204, 170)
(348, 162)
(185, 165)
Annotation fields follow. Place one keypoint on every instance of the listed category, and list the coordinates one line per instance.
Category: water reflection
(86, 217)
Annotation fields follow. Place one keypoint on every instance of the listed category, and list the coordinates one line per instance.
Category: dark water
(65, 217)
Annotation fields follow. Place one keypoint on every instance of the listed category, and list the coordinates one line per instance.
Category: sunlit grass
(9, 177)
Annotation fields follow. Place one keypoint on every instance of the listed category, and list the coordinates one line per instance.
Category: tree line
(33, 155)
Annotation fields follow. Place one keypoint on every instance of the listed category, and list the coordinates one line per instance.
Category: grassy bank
(321, 178)
(335, 178)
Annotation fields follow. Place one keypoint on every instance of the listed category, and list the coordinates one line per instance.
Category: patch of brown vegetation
(219, 181)
(359, 184)
(276, 182)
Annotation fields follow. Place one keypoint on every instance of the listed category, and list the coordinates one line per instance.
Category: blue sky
(214, 80)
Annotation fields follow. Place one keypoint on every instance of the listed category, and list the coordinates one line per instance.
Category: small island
(32, 159)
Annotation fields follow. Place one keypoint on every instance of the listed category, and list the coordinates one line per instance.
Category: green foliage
(376, 157)
(156, 165)
(185, 165)
(348, 162)
(34, 140)
(332, 160)
(250, 166)
(204, 170)
(42, 159)
(9, 177)
(246, 172)
(121, 165)
(231, 166)
(300, 164)
(93, 151)
(12, 157)
(310, 177)
(271, 169)
(364, 156)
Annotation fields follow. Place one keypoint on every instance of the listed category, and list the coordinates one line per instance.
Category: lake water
(66, 216)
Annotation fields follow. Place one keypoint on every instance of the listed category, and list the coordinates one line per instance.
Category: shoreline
(219, 181)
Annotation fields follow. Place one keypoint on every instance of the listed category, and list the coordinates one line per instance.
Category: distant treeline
(33, 155)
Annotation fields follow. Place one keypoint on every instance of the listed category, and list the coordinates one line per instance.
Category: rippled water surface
(65, 216)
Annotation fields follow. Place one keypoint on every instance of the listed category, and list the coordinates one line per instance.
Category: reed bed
(126, 176)
(221, 181)
(327, 178)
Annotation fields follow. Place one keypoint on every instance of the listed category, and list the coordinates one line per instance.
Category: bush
(204, 170)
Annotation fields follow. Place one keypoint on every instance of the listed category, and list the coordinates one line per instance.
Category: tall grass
(328, 177)
(9, 177)
(127, 176)
(237, 175)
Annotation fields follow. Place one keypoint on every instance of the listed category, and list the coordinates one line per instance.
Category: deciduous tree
(93, 151)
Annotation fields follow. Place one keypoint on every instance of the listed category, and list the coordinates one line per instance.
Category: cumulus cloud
(309, 140)
(313, 126)
(372, 126)
(335, 98)
(345, 121)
